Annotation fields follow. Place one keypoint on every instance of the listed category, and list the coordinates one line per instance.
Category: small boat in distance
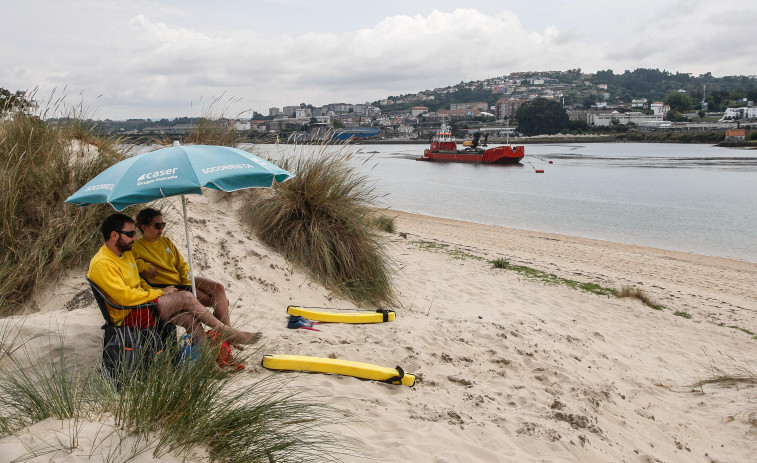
(444, 149)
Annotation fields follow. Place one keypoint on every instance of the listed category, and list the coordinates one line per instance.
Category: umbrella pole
(189, 244)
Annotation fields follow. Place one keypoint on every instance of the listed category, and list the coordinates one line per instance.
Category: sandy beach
(509, 368)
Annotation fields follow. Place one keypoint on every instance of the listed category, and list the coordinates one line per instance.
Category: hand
(152, 272)
(169, 289)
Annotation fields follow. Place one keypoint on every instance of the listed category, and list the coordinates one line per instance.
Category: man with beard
(114, 270)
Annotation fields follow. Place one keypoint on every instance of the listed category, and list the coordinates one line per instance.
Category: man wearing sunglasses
(114, 270)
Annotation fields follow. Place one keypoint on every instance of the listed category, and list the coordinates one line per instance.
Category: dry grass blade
(726, 373)
(214, 128)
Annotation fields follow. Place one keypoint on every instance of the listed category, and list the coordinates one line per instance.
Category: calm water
(692, 198)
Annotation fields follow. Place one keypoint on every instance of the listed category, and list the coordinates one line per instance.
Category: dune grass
(640, 294)
(322, 219)
(214, 127)
(500, 263)
(172, 410)
(384, 223)
(725, 372)
(40, 166)
(552, 279)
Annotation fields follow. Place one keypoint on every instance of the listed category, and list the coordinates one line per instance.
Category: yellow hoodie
(119, 280)
(163, 255)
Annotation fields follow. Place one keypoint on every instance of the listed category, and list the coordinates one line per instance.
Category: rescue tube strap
(384, 313)
(396, 379)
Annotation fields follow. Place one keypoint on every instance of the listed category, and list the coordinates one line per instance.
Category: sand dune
(509, 368)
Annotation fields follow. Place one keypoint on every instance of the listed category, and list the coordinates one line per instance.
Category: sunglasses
(159, 225)
(130, 234)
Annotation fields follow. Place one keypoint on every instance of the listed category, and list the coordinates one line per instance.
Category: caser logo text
(157, 173)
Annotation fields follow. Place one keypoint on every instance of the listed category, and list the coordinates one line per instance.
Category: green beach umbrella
(178, 171)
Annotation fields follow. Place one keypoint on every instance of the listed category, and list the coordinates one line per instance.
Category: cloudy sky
(170, 58)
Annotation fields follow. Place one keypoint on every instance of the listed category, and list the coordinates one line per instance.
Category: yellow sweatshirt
(163, 255)
(119, 280)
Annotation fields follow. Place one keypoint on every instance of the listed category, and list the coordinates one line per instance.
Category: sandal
(225, 358)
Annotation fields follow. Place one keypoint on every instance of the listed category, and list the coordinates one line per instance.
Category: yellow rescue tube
(342, 317)
(338, 367)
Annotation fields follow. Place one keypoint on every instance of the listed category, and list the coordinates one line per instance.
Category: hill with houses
(601, 99)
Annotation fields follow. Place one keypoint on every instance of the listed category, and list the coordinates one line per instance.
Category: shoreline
(560, 236)
(715, 289)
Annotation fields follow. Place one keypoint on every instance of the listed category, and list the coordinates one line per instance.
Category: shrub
(322, 219)
(384, 223)
(640, 294)
(500, 263)
(40, 234)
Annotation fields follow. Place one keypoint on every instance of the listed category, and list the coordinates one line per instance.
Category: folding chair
(166, 331)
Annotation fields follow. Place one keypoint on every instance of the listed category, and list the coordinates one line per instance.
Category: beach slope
(509, 366)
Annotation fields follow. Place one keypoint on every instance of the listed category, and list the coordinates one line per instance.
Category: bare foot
(243, 337)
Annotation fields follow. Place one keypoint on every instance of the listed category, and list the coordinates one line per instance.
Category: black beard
(122, 246)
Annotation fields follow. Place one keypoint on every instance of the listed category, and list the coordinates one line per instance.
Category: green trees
(541, 116)
(10, 102)
(679, 102)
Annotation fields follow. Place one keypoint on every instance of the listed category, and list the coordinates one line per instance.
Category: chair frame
(103, 302)
(163, 328)
(165, 285)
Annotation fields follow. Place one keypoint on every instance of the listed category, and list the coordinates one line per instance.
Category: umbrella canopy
(176, 171)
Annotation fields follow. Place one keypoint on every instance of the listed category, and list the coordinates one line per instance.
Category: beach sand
(509, 368)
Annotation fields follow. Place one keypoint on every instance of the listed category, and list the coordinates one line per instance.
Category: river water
(692, 198)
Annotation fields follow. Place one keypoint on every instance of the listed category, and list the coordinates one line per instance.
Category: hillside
(583, 89)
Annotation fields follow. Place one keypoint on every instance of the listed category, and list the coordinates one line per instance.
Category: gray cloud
(149, 60)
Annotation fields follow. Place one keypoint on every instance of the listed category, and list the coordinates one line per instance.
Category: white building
(640, 103)
(605, 119)
(418, 110)
(740, 113)
(242, 126)
(658, 107)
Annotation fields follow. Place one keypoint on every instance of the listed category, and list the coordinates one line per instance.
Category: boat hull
(497, 155)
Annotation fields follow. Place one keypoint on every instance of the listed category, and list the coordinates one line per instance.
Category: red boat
(444, 149)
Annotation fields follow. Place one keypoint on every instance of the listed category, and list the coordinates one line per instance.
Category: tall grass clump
(214, 128)
(165, 409)
(500, 262)
(640, 294)
(384, 223)
(41, 164)
(322, 219)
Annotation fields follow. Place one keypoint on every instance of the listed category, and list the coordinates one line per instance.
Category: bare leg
(183, 302)
(193, 327)
(212, 294)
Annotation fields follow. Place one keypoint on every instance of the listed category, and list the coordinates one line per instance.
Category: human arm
(146, 268)
(120, 286)
(182, 267)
